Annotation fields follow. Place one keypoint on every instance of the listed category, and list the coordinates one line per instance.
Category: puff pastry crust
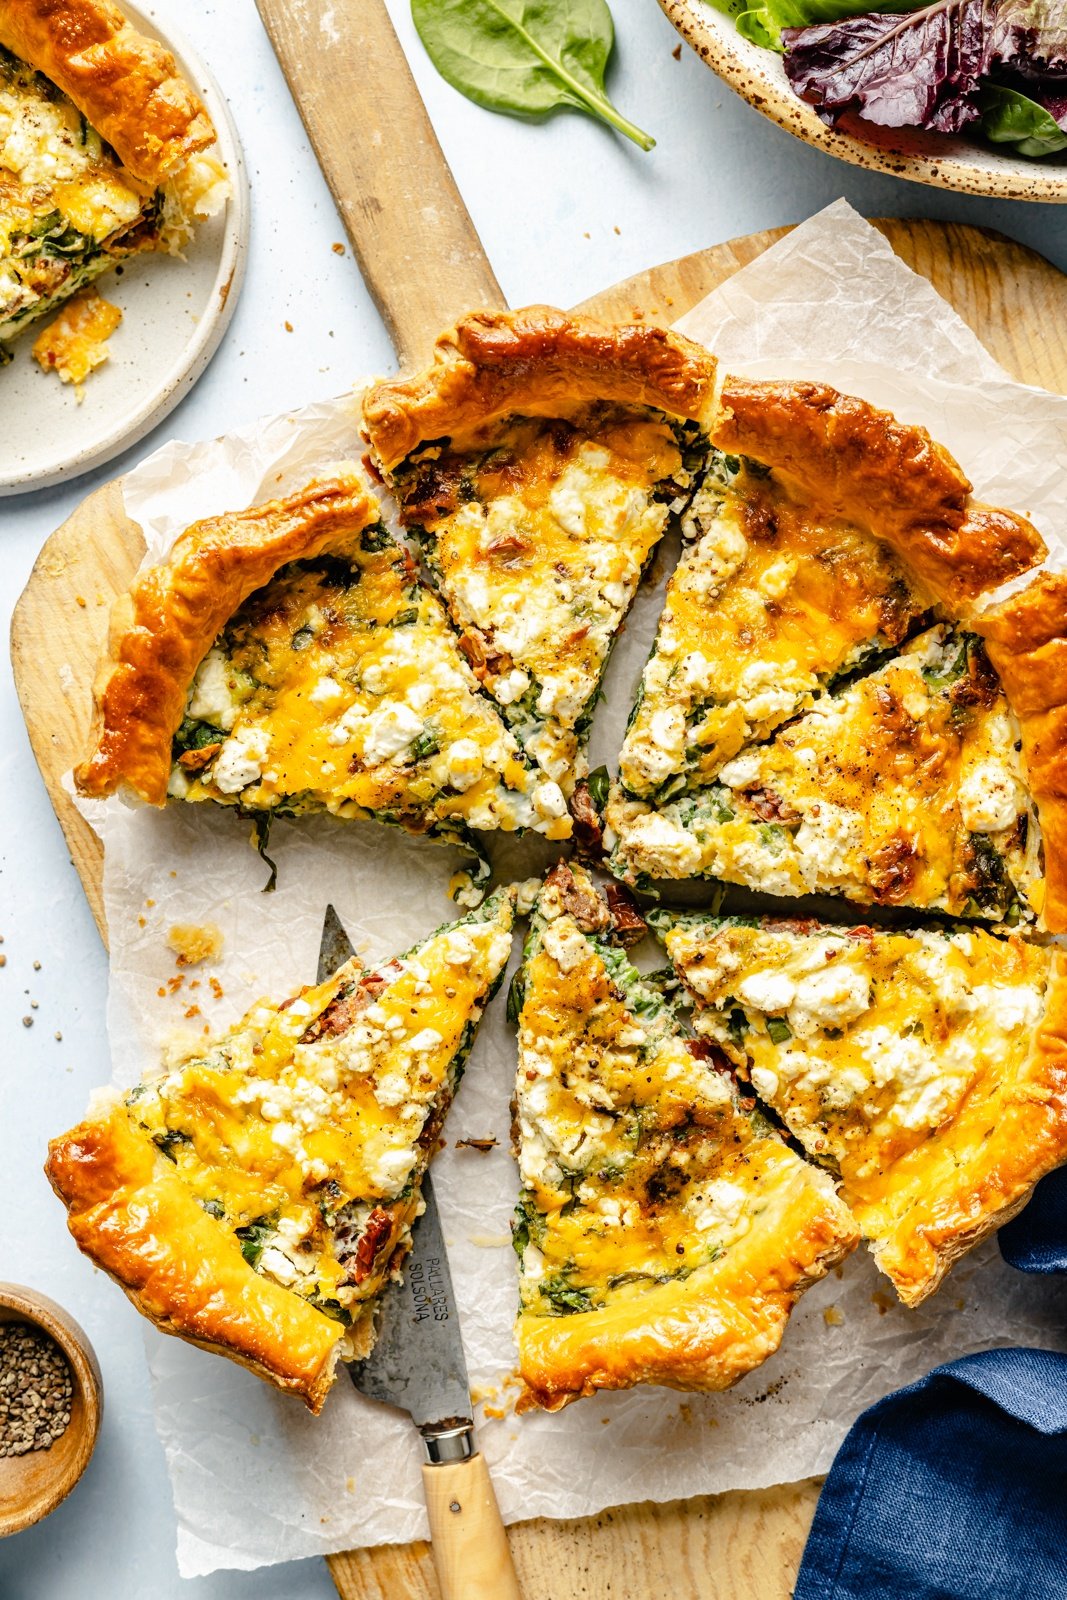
(540, 362)
(164, 626)
(1026, 637)
(127, 1209)
(889, 477)
(127, 86)
(664, 1235)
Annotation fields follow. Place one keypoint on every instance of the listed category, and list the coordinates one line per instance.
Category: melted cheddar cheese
(639, 1166)
(877, 1049)
(76, 342)
(905, 788)
(340, 687)
(771, 599)
(68, 209)
(305, 1130)
(537, 537)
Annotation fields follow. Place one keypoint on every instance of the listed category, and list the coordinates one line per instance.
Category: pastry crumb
(193, 944)
(832, 1317)
(75, 342)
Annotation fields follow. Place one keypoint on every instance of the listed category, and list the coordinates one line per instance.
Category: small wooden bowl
(32, 1485)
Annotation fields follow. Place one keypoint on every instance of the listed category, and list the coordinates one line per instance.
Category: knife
(418, 1365)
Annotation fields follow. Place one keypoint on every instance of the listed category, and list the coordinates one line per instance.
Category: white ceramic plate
(174, 316)
(946, 162)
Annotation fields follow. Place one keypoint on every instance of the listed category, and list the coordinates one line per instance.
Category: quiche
(822, 534)
(665, 1229)
(255, 1196)
(104, 152)
(538, 462)
(288, 659)
(925, 1068)
(906, 787)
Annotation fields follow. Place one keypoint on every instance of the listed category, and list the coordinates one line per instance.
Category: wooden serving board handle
(417, 248)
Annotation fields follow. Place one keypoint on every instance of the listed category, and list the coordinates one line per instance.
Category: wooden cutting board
(388, 176)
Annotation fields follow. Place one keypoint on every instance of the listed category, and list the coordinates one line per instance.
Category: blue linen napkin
(954, 1488)
(1037, 1239)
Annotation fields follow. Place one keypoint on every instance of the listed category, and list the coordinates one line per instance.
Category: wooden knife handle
(417, 248)
(470, 1547)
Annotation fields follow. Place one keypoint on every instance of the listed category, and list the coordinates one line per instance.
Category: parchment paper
(256, 1479)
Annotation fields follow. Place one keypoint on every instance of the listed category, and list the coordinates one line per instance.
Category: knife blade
(417, 1363)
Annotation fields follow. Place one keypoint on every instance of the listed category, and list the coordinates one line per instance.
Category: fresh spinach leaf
(778, 1029)
(525, 57)
(1009, 117)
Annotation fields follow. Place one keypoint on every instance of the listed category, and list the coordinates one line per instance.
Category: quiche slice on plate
(255, 1196)
(925, 1068)
(665, 1231)
(822, 534)
(907, 787)
(104, 152)
(288, 659)
(538, 461)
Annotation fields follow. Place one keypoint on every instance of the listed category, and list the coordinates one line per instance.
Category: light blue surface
(563, 209)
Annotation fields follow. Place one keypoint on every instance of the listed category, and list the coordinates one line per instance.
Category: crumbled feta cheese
(211, 699)
(241, 760)
(511, 686)
(566, 944)
(766, 991)
(828, 999)
(990, 798)
(740, 773)
(391, 730)
(326, 692)
(548, 800)
(464, 764)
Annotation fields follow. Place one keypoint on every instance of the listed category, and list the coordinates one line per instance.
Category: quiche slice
(925, 1068)
(255, 1196)
(907, 787)
(104, 152)
(288, 659)
(665, 1231)
(538, 461)
(822, 534)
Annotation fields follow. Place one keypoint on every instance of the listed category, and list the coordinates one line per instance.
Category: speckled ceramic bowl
(948, 163)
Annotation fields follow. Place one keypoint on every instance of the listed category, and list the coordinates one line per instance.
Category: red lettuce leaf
(922, 70)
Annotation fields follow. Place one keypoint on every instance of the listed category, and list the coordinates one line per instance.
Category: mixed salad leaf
(762, 21)
(998, 66)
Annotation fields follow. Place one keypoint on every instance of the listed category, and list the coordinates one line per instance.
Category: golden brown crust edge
(538, 361)
(165, 624)
(701, 1334)
(885, 475)
(1026, 636)
(128, 87)
(180, 1269)
(1021, 1134)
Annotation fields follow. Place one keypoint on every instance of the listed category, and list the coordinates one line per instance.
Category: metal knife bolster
(449, 1441)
